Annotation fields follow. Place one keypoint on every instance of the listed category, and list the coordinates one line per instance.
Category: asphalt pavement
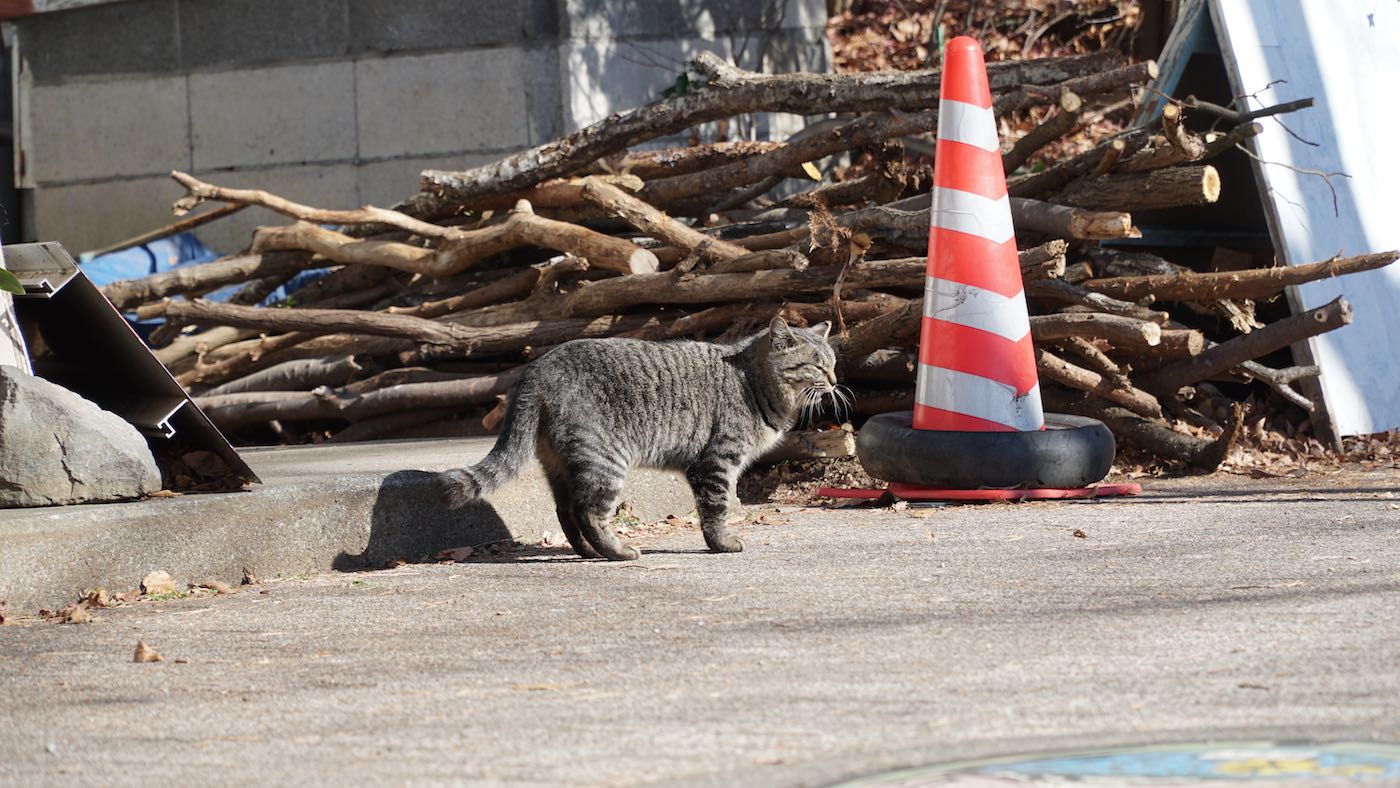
(842, 642)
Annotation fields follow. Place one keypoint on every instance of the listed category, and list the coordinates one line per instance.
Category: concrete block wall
(339, 103)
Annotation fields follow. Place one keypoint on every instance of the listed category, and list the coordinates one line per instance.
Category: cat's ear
(780, 334)
(821, 329)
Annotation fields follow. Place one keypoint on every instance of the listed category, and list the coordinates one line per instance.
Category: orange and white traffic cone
(977, 431)
(976, 364)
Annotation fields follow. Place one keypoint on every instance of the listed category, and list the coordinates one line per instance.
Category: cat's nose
(831, 376)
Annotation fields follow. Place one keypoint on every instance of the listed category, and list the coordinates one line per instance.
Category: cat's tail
(514, 446)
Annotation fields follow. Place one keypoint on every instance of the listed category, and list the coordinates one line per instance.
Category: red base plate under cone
(911, 493)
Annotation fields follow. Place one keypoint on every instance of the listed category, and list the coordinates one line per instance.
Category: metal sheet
(1344, 54)
(87, 347)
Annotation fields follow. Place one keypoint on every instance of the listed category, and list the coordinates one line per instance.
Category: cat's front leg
(713, 486)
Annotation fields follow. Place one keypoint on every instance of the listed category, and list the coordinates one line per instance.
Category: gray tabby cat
(593, 408)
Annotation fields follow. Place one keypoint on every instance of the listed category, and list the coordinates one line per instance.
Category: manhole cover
(1295, 764)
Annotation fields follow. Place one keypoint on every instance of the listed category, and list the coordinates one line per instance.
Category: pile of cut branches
(427, 310)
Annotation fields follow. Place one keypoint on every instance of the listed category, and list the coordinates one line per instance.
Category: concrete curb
(345, 507)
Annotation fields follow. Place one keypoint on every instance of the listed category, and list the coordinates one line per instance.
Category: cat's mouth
(812, 397)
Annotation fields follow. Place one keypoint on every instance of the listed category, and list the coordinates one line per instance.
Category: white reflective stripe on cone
(970, 213)
(970, 395)
(975, 307)
(967, 123)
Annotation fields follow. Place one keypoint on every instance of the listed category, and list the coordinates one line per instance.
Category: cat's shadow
(409, 524)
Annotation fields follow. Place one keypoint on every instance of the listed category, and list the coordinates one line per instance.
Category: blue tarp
(167, 254)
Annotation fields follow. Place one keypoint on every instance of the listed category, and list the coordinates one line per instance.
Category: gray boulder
(58, 448)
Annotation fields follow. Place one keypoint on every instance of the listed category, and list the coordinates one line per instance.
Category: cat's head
(802, 361)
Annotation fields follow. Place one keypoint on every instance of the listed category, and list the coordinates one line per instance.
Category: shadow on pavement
(409, 523)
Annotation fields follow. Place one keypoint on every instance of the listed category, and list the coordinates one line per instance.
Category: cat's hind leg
(712, 481)
(596, 493)
(558, 477)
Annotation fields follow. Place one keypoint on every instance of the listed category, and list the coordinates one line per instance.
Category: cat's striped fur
(593, 408)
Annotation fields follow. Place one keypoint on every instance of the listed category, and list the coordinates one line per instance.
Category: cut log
(342, 248)
(1111, 154)
(199, 191)
(1057, 126)
(665, 162)
(191, 344)
(523, 227)
(729, 92)
(896, 328)
(1173, 187)
(858, 133)
(1066, 293)
(309, 321)
(1148, 434)
(658, 225)
(1236, 118)
(1256, 283)
(204, 277)
(504, 289)
(1095, 359)
(886, 366)
(1227, 355)
(558, 193)
(231, 411)
(1056, 369)
(1062, 221)
(761, 261)
(1125, 332)
(1221, 143)
(297, 375)
(610, 296)
(1044, 261)
(1079, 166)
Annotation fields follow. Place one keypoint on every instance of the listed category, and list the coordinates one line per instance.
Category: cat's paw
(726, 544)
(626, 552)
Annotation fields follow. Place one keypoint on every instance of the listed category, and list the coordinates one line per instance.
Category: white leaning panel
(1345, 54)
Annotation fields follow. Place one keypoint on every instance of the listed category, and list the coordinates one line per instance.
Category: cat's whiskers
(843, 401)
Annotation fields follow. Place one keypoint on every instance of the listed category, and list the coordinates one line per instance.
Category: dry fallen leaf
(1078, 534)
(145, 653)
(455, 554)
(98, 597)
(216, 586)
(76, 614)
(157, 582)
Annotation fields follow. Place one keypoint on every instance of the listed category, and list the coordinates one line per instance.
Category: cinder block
(457, 101)
(543, 106)
(90, 216)
(105, 40)
(605, 76)
(419, 25)
(384, 183)
(90, 130)
(622, 19)
(322, 186)
(792, 50)
(216, 33)
(285, 114)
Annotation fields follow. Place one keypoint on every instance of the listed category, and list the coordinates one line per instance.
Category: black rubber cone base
(1071, 452)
